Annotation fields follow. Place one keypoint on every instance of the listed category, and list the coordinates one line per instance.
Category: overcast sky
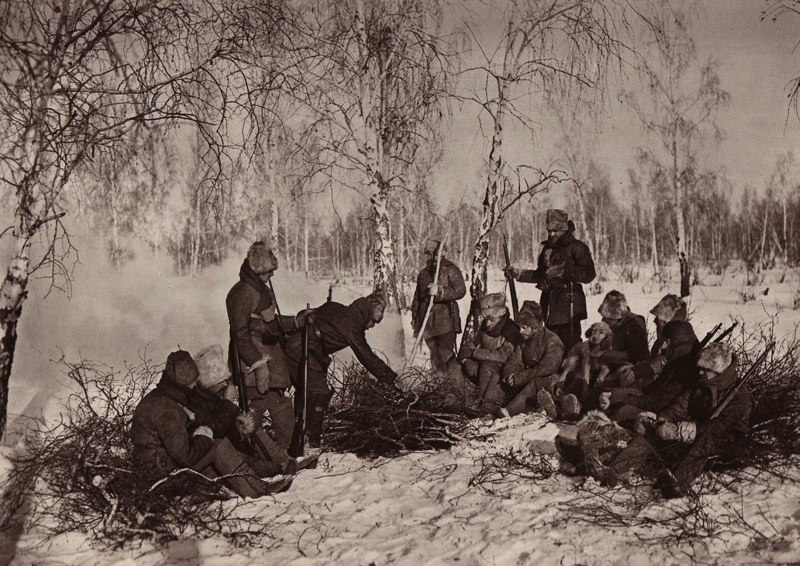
(757, 61)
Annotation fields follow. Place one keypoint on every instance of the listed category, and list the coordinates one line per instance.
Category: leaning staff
(430, 304)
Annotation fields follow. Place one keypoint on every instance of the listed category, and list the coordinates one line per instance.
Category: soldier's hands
(204, 431)
(511, 272)
(509, 379)
(625, 375)
(644, 421)
(433, 289)
(684, 431)
(604, 401)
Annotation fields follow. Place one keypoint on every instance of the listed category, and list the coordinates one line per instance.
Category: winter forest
(148, 143)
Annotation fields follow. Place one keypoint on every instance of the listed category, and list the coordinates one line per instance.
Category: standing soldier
(444, 322)
(256, 332)
(564, 263)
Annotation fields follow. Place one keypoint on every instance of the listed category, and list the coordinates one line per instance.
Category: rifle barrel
(750, 372)
(512, 287)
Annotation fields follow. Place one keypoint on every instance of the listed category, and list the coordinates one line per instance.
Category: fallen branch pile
(369, 418)
(77, 475)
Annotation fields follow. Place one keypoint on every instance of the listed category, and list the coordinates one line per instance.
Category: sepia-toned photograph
(399, 282)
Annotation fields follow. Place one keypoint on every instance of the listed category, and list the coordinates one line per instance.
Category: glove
(204, 431)
(247, 422)
(644, 421)
(433, 289)
(625, 375)
(509, 380)
(511, 272)
(304, 317)
(685, 431)
(604, 402)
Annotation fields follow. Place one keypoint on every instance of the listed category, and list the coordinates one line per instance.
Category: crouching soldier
(165, 436)
(332, 328)
(493, 346)
(534, 364)
(685, 436)
(629, 332)
(256, 332)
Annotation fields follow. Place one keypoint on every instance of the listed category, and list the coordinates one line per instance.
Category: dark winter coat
(334, 328)
(628, 342)
(678, 374)
(444, 315)
(541, 355)
(562, 296)
(215, 412)
(255, 327)
(698, 402)
(160, 431)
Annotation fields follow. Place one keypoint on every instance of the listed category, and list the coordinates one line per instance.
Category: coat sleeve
(514, 364)
(552, 358)
(357, 341)
(734, 417)
(500, 355)
(581, 267)
(453, 287)
(534, 275)
(678, 409)
(238, 305)
(185, 450)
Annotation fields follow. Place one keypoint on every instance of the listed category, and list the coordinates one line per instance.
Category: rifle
(727, 332)
(297, 447)
(707, 338)
(729, 397)
(238, 377)
(512, 287)
(330, 293)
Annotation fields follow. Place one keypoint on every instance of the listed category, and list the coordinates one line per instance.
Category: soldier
(166, 436)
(535, 363)
(256, 331)
(444, 321)
(563, 265)
(629, 332)
(334, 327)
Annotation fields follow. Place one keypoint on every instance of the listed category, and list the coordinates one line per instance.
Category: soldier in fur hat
(256, 331)
(684, 435)
(166, 436)
(534, 364)
(629, 332)
(444, 321)
(564, 265)
(494, 344)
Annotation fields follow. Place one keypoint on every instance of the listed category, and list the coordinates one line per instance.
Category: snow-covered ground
(421, 508)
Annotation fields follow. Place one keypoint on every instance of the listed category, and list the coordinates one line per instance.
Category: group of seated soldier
(670, 396)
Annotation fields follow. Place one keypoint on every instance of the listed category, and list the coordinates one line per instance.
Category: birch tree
(375, 81)
(678, 110)
(77, 76)
(562, 47)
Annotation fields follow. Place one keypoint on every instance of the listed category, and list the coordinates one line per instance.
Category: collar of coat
(562, 242)
(628, 319)
(505, 327)
(250, 277)
(176, 392)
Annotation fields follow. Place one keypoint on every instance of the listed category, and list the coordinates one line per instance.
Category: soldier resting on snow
(629, 332)
(493, 346)
(534, 365)
(581, 371)
(683, 437)
(166, 437)
(334, 327)
(643, 373)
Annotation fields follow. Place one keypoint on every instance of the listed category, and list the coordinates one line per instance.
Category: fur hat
(614, 305)
(679, 332)
(715, 357)
(493, 301)
(598, 327)
(261, 258)
(212, 366)
(180, 368)
(377, 299)
(530, 314)
(556, 219)
(668, 307)
(597, 432)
